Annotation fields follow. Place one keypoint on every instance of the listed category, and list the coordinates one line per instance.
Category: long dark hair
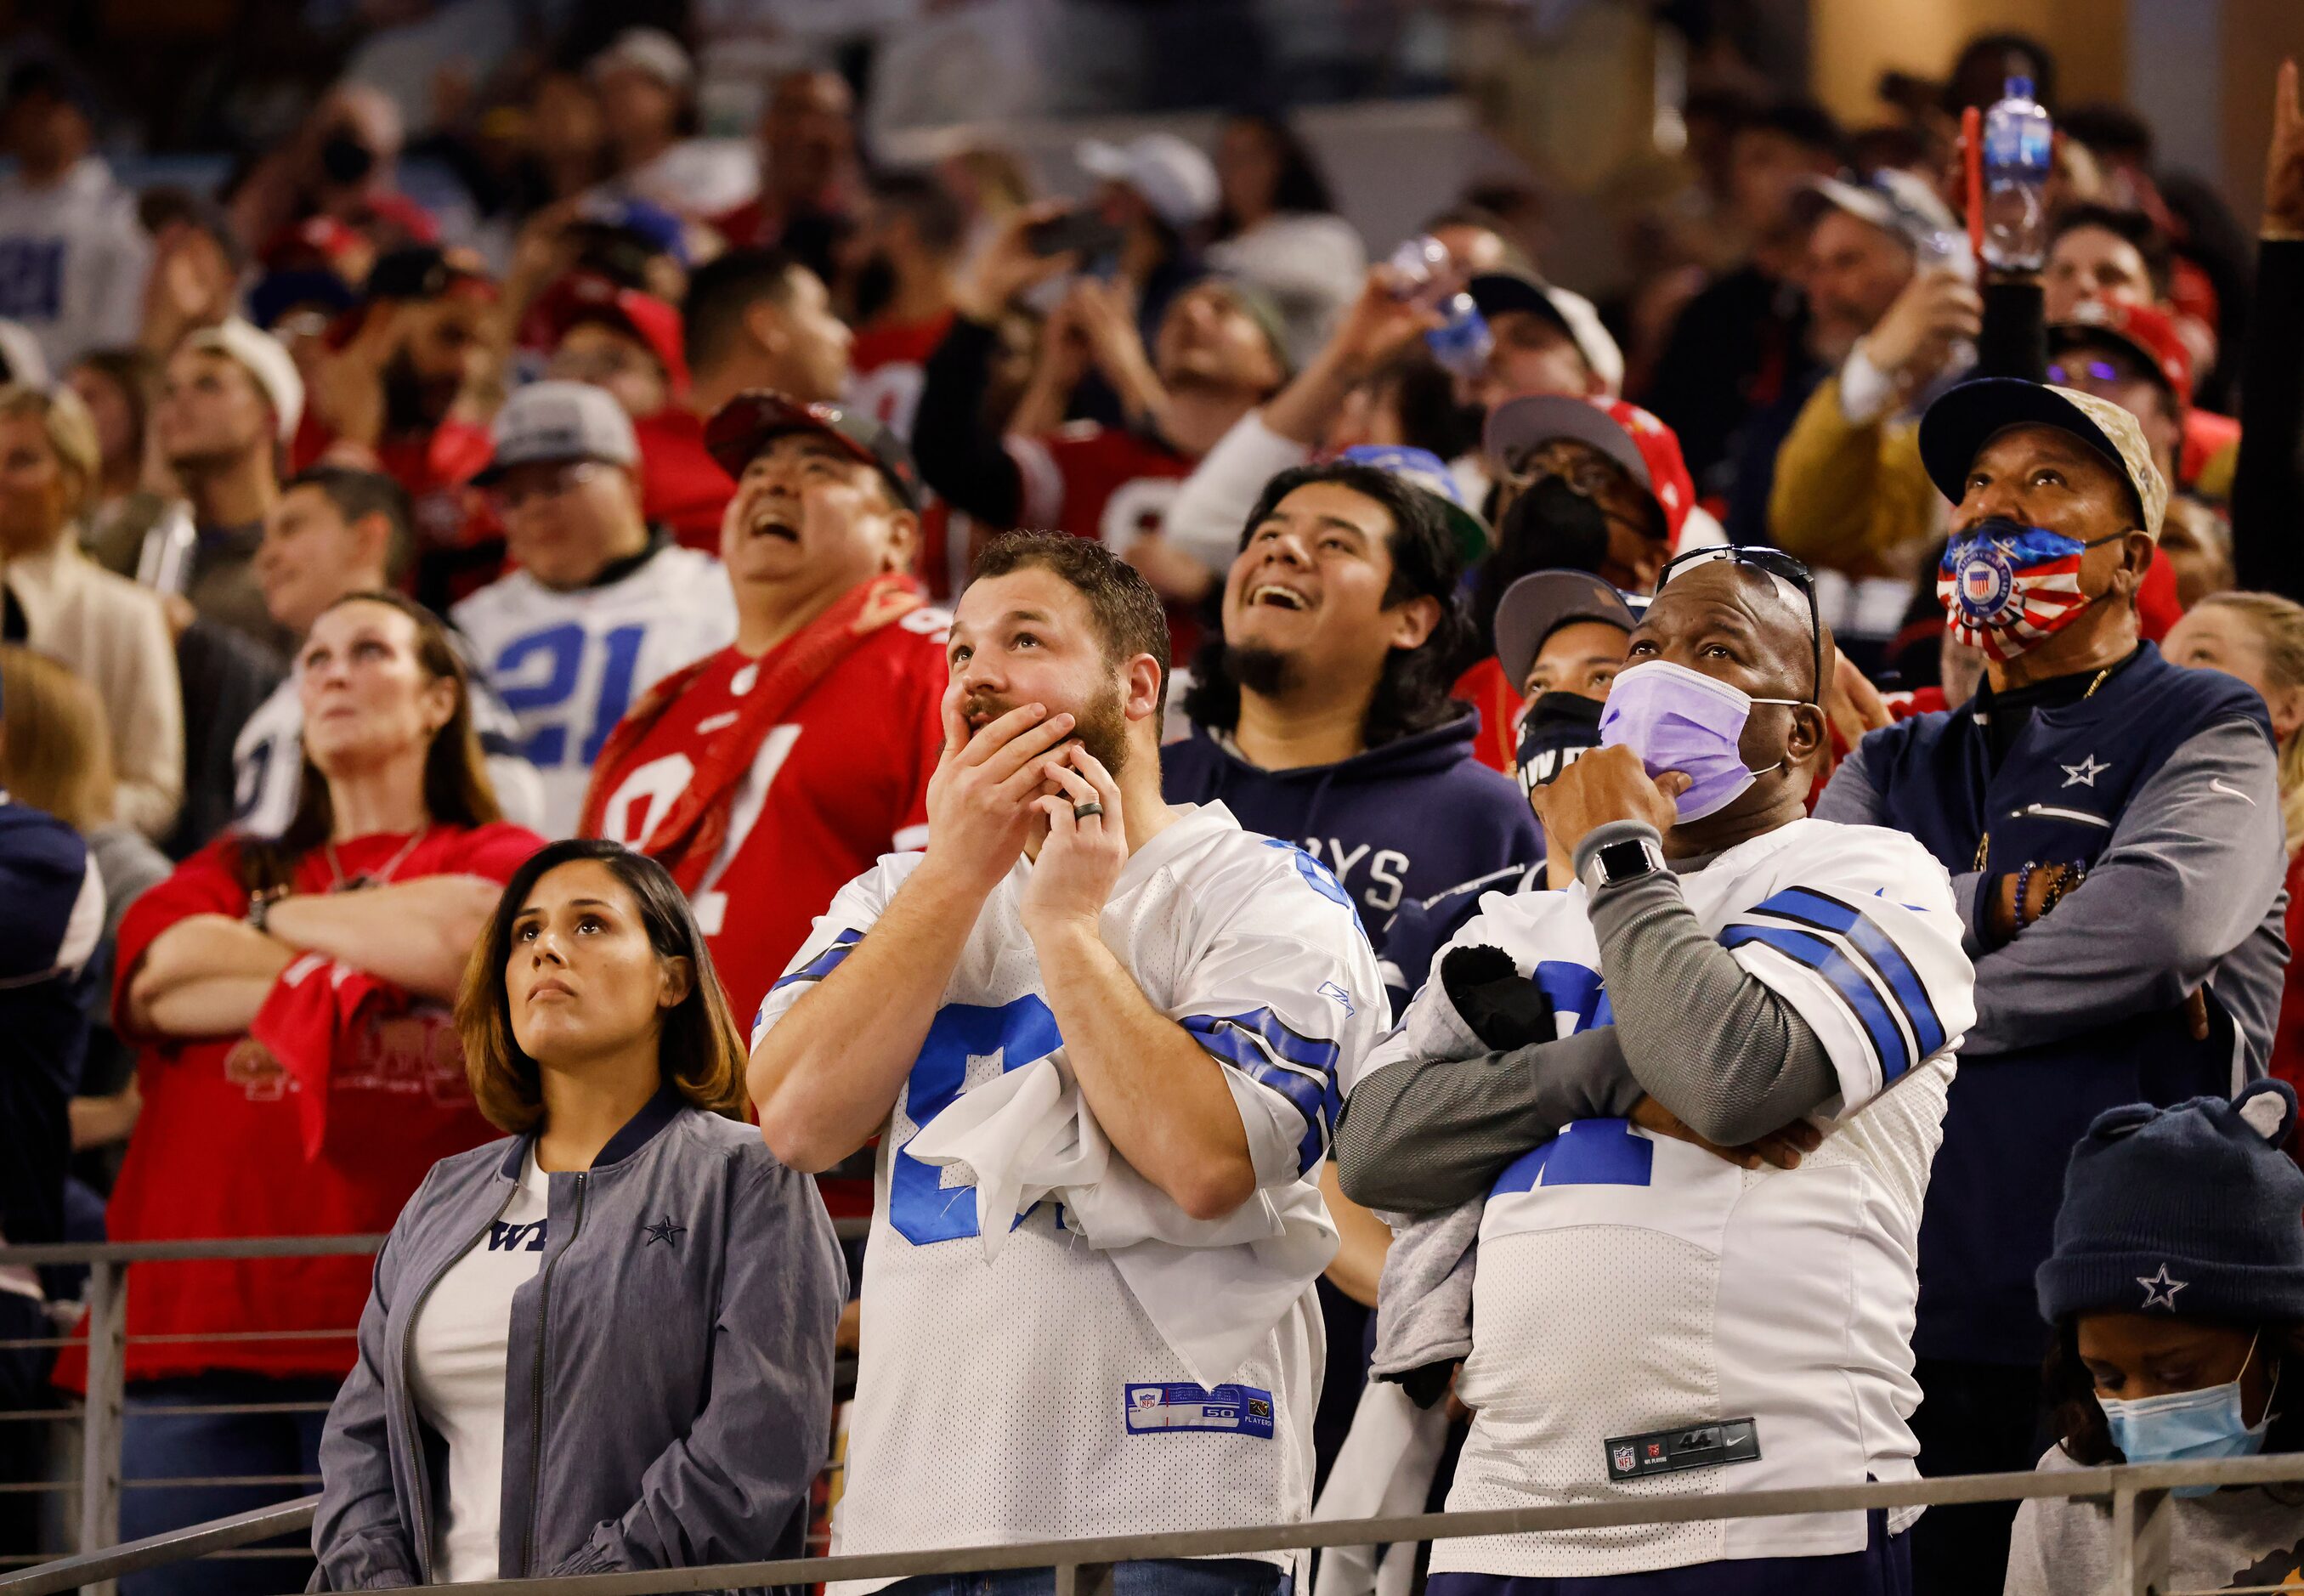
(2086, 1440)
(1412, 693)
(1300, 189)
(698, 1048)
(456, 787)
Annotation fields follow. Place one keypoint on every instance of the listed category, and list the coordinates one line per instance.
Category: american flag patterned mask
(2006, 587)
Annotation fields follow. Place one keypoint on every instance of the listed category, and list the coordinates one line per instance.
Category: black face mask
(1559, 728)
(345, 160)
(874, 286)
(1552, 525)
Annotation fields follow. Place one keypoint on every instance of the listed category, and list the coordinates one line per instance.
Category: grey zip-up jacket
(668, 1376)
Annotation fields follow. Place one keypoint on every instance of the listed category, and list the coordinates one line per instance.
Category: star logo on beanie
(2159, 1290)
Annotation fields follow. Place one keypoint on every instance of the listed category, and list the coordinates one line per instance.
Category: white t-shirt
(72, 261)
(568, 664)
(1029, 1397)
(1631, 1285)
(457, 1377)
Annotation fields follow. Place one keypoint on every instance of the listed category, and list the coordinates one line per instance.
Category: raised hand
(1083, 855)
(1604, 784)
(980, 799)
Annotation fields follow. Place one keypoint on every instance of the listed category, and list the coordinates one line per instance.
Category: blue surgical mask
(2187, 1426)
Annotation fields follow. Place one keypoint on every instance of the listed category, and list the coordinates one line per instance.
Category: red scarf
(687, 839)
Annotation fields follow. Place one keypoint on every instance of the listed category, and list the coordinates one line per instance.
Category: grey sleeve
(1425, 1133)
(357, 1535)
(2195, 865)
(1705, 1037)
(1849, 798)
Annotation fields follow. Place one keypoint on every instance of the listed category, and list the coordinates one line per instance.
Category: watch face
(1621, 861)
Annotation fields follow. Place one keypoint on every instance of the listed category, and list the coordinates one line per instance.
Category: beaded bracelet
(2070, 877)
(2024, 881)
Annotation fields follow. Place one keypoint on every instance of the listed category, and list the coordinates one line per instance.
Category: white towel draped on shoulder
(1212, 1287)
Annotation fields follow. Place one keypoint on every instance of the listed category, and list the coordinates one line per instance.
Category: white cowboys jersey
(267, 757)
(1029, 1397)
(1630, 1288)
(72, 262)
(568, 664)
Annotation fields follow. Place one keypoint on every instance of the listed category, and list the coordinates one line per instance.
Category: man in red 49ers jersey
(767, 776)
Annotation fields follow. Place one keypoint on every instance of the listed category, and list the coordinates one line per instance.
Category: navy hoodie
(1396, 824)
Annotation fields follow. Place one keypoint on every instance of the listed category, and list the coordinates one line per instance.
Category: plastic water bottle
(1463, 343)
(2018, 137)
(1423, 272)
(1939, 250)
(164, 561)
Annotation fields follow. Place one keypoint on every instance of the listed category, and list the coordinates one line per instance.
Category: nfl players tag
(1698, 1446)
(1237, 1409)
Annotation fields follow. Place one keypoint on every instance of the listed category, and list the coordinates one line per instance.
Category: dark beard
(1261, 670)
(413, 402)
(1101, 729)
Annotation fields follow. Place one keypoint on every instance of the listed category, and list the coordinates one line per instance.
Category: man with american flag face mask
(2113, 827)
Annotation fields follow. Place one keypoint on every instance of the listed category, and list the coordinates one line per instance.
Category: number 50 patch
(1235, 1410)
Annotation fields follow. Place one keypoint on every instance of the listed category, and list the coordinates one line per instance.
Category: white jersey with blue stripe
(567, 663)
(1028, 1396)
(1630, 1285)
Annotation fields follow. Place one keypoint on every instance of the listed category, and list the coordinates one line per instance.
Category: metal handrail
(2137, 1492)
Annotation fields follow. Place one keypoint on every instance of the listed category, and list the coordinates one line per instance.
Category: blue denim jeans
(158, 1444)
(1164, 1576)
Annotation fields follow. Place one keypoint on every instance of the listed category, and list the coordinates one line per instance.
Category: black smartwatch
(1616, 863)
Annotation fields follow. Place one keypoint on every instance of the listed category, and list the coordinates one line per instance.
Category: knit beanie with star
(2191, 1211)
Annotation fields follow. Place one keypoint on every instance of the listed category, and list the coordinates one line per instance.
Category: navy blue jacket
(2162, 783)
(1409, 821)
(668, 1378)
(50, 931)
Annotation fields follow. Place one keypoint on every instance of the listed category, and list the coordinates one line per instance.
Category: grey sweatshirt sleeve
(1426, 1133)
(1708, 1039)
(2195, 865)
(357, 1534)
(728, 1489)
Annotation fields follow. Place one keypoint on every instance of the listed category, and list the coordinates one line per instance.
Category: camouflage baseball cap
(1958, 426)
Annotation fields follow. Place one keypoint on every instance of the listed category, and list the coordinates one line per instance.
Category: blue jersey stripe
(1301, 1068)
(824, 963)
(1888, 960)
(1888, 1044)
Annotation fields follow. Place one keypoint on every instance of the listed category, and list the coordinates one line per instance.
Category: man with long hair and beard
(1098, 1035)
(1321, 712)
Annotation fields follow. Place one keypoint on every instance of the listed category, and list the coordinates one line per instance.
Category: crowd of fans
(357, 559)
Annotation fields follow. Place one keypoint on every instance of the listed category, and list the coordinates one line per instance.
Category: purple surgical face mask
(1681, 719)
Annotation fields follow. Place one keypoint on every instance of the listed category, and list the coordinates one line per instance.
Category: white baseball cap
(265, 360)
(649, 50)
(560, 420)
(1176, 179)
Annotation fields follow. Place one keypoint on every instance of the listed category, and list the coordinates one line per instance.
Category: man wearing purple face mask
(2113, 827)
(1684, 1110)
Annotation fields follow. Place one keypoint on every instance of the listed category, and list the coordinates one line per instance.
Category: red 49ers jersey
(1106, 483)
(841, 781)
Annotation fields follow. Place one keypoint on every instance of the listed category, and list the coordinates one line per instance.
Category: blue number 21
(922, 1210)
(561, 650)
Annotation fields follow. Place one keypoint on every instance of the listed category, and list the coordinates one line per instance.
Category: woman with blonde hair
(617, 1321)
(2259, 638)
(299, 1063)
(113, 632)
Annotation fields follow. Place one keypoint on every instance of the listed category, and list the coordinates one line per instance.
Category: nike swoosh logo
(2216, 784)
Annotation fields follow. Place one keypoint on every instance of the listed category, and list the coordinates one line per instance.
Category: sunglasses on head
(2065, 373)
(1777, 563)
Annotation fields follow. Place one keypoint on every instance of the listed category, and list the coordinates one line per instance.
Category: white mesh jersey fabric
(992, 1394)
(1630, 1284)
(568, 664)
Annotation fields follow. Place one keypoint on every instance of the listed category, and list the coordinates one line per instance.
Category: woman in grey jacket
(607, 1342)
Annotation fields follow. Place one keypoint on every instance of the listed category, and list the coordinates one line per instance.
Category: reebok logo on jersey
(1328, 988)
(509, 1238)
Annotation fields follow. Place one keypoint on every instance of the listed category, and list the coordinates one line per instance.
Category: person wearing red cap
(1583, 485)
(2135, 356)
(633, 345)
(767, 775)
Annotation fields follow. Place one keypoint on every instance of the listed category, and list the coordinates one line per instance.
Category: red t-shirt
(842, 779)
(681, 487)
(887, 366)
(2287, 1059)
(1106, 483)
(220, 1149)
(1484, 688)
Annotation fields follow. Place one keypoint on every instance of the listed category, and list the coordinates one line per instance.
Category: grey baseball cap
(560, 420)
(1542, 602)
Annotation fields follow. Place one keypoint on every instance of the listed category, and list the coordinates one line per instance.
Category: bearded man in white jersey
(1101, 1037)
(1655, 1307)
